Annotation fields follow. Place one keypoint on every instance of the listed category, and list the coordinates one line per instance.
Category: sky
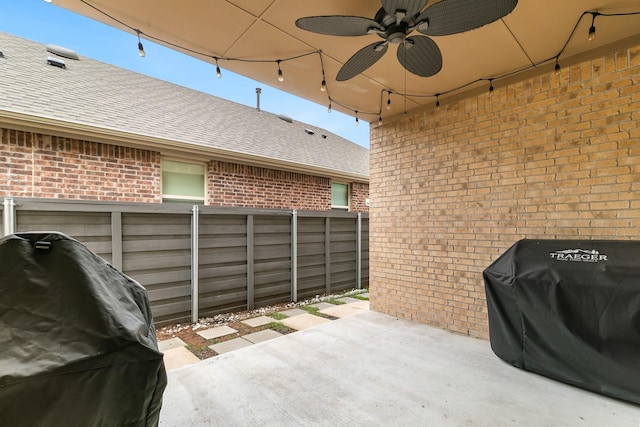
(47, 23)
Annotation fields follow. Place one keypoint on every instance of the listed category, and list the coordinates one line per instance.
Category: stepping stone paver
(293, 312)
(260, 336)
(177, 357)
(258, 321)
(304, 321)
(345, 310)
(322, 305)
(217, 332)
(175, 342)
(227, 346)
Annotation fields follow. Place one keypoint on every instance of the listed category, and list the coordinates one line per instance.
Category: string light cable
(357, 113)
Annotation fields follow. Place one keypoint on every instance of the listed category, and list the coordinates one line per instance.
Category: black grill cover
(569, 310)
(77, 341)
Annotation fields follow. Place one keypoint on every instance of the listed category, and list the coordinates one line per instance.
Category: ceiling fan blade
(361, 60)
(412, 7)
(420, 55)
(457, 16)
(337, 25)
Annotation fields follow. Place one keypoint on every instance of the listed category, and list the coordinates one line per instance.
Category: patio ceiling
(252, 30)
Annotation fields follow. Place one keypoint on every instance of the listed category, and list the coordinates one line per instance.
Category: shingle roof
(100, 96)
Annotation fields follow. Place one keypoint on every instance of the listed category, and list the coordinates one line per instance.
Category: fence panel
(364, 268)
(311, 257)
(156, 253)
(343, 253)
(272, 259)
(223, 264)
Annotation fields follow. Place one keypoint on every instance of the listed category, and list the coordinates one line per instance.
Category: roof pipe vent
(285, 118)
(62, 51)
(258, 92)
(309, 131)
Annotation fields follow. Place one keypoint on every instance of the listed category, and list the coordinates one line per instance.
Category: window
(339, 196)
(183, 182)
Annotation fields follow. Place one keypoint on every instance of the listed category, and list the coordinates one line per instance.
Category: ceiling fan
(397, 19)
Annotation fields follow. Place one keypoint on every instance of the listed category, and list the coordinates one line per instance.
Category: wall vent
(56, 62)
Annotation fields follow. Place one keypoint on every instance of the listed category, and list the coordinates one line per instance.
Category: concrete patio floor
(371, 369)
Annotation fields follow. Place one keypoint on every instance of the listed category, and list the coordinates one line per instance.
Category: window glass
(183, 182)
(339, 196)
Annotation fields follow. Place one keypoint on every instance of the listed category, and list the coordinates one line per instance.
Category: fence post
(294, 256)
(327, 255)
(195, 232)
(359, 251)
(250, 264)
(8, 216)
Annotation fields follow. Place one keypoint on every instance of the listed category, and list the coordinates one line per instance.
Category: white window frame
(176, 197)
(341, 207)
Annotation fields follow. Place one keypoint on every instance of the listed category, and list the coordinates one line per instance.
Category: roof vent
(309, 131)
(285, 118)
(324, 136)
(56, 62)
(62, 51)
(1, 54)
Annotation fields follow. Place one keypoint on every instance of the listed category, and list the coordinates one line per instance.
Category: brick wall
(44, 166)
(36, 165)
(238, 185)
(547, 157)
(359, 196)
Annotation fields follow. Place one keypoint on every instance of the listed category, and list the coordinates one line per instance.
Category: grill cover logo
(578, 255)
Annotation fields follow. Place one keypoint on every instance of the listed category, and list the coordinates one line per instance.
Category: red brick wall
(36, 165)
(238, 185)
(359, 196)
(44, 166)
(546, 157)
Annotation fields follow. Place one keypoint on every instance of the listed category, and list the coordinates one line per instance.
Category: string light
(357, 120)
(388, 100)
(329, 107)
(218, 72)
(379, 120)
(592, 28)
(280, 76)
(140, 47)
(557, 67)
(323, 85)
(437, 101)
(490, 87)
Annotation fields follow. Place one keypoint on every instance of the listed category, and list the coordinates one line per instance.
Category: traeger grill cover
(569, 310)
(77, 341)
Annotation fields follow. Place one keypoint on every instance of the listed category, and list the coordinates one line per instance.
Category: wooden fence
(198, 261)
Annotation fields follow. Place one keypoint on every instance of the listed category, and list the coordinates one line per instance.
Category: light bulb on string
(490, 87)
(280, 75)
(357, 120)
(329, 109)
(379, 120)
(437, 101)
(592, 28)
(557, 68)
(323, 85)
(141, 52)
(388, 100)
(218, 71)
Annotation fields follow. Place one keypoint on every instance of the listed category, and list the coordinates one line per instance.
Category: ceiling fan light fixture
(422, 26)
